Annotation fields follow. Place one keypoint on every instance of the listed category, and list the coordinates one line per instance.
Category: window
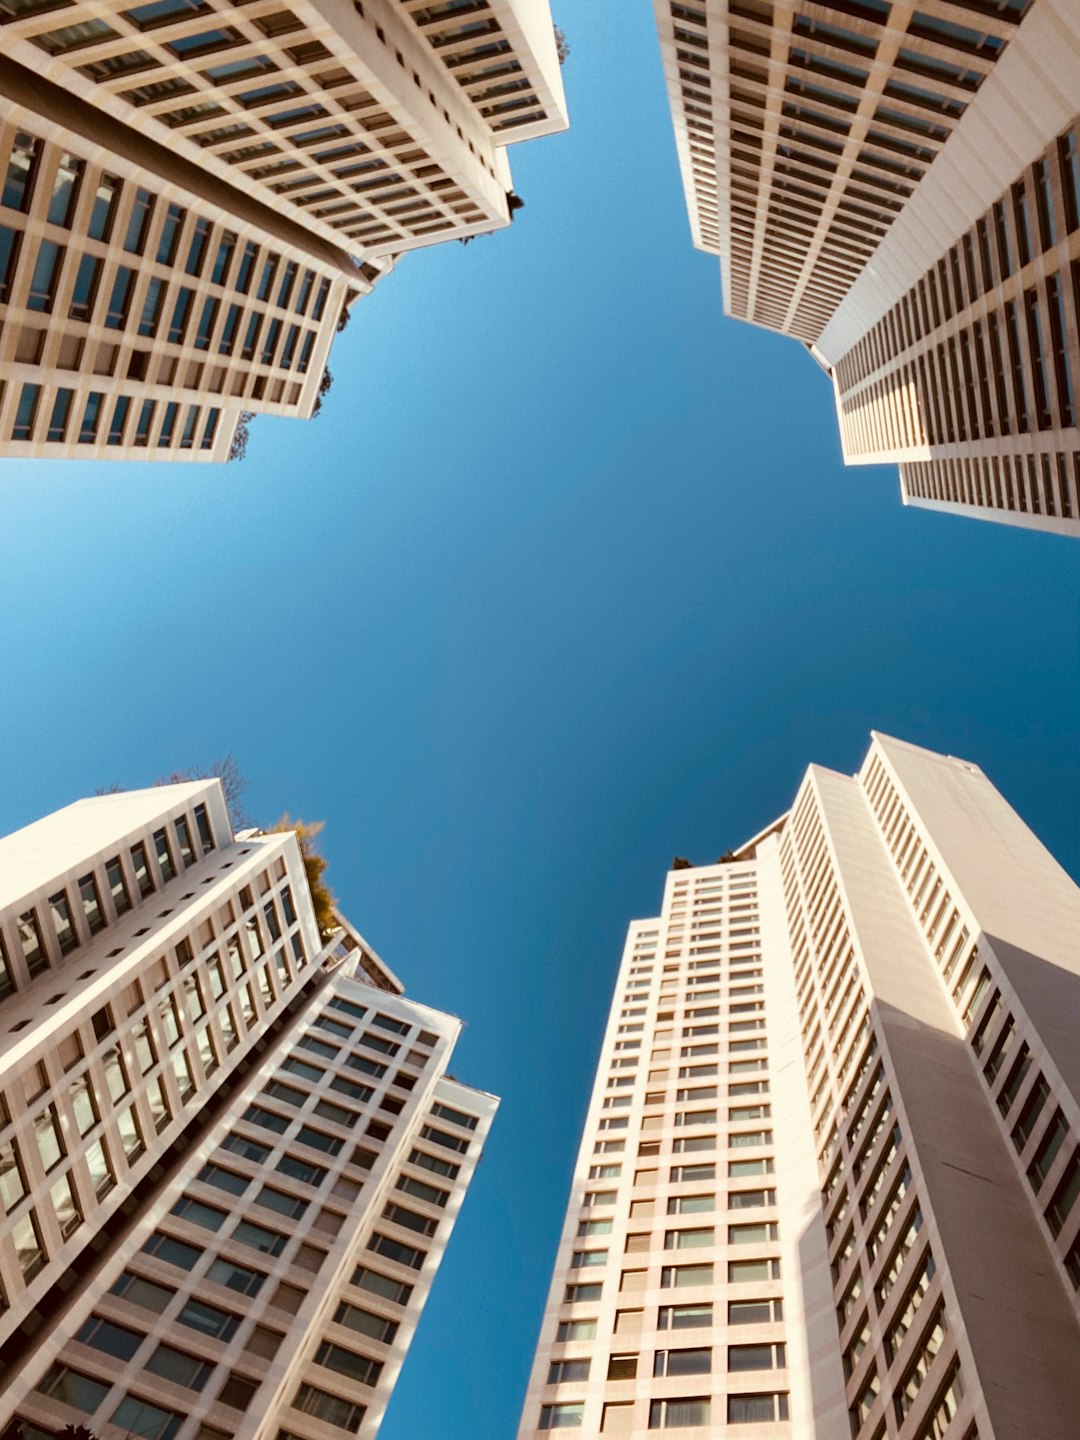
(180, 1368)
(365, 1323)
(65, 190)
(208, 1320)
(175, 1252)
(379, 1284)
(268, 1242)
(756, 1409)
(755, 1357)
(576, 1330)
(561, 1417)
(679, 1276)
(754, 1312)
(683, 1362)
(196, 1213)
(61, 1383)
(672, 1414)
(310, 1400)
(110, 1339)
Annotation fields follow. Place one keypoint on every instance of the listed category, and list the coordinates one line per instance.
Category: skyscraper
(896, 183)
(195, 194)
(829, 1180)
(230, 1154)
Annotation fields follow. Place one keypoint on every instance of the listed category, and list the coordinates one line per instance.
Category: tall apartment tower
(829, 1185)
(230, 1154)
(195, 192)
(896, 183)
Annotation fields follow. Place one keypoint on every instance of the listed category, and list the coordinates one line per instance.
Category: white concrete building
(896, 183)
(195, 193)
(230, 1156)
(829, 1184)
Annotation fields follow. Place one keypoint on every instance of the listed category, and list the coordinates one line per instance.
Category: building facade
(829, 1184)
(196, 193)
(895, 183)
(230, 1154)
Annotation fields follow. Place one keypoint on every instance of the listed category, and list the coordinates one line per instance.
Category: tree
(232, 782)
(325, 385)
(562, 45)
(323, 900)
(681, 863)
(238, 448)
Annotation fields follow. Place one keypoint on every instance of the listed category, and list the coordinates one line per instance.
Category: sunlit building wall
(195, 194)
(895, 183)
(829, 1182)
(230, 1155)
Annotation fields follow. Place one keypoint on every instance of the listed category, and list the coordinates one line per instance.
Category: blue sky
(567, 578)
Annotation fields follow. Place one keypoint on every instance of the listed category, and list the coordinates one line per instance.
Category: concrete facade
(230, 1155)
(196, 193)
(897, 186)
(840, 1068)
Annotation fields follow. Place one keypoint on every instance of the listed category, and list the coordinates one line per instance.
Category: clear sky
(567, 578)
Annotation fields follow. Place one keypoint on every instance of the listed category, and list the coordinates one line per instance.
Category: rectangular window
(22, 427)
(21, 172)
(45, 277)
(170, 235)
(65, 190)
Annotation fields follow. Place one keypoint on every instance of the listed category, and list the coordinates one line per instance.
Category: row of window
(1037, 484)
(1039, 208)
(675, 1414)
(152, 229)
(104, 895)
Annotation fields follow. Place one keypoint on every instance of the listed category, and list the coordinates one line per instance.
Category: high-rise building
(829, 1185)
(896, 183)
(230, 1153)
(195, 193)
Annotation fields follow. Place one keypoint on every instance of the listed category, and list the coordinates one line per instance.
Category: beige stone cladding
(195, 193)
(230, 1156)
(378, 126)
(912, 1231)
(895, 185)
(144, 305)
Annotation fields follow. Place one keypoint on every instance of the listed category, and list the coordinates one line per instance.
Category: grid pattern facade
(817, 122)
(978, 361)
(173, 318)
(860, 961)
(196, 192)
(807, 131)
(667, 1306)
(378, 129)
(230, 1161)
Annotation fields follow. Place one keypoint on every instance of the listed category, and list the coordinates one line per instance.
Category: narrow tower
(829, 1178)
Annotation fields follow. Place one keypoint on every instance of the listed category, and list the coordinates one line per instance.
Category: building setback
(195, 193)
(230, 1154)
(896, 183)
(829, 1180)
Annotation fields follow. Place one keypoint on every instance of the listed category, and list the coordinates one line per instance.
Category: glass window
(10, 241)
(21, 170)
(269, 1242)
(170, 234)
(78, 1391)
(208, 1320)
(671, 1414)
(235, 1277)
(181, 1369)
(22, 427)
(103, 210)
(65, 190)
(91, 417)
(62, 922)
(110, 1339)
(43, 282)
(138, 1417)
